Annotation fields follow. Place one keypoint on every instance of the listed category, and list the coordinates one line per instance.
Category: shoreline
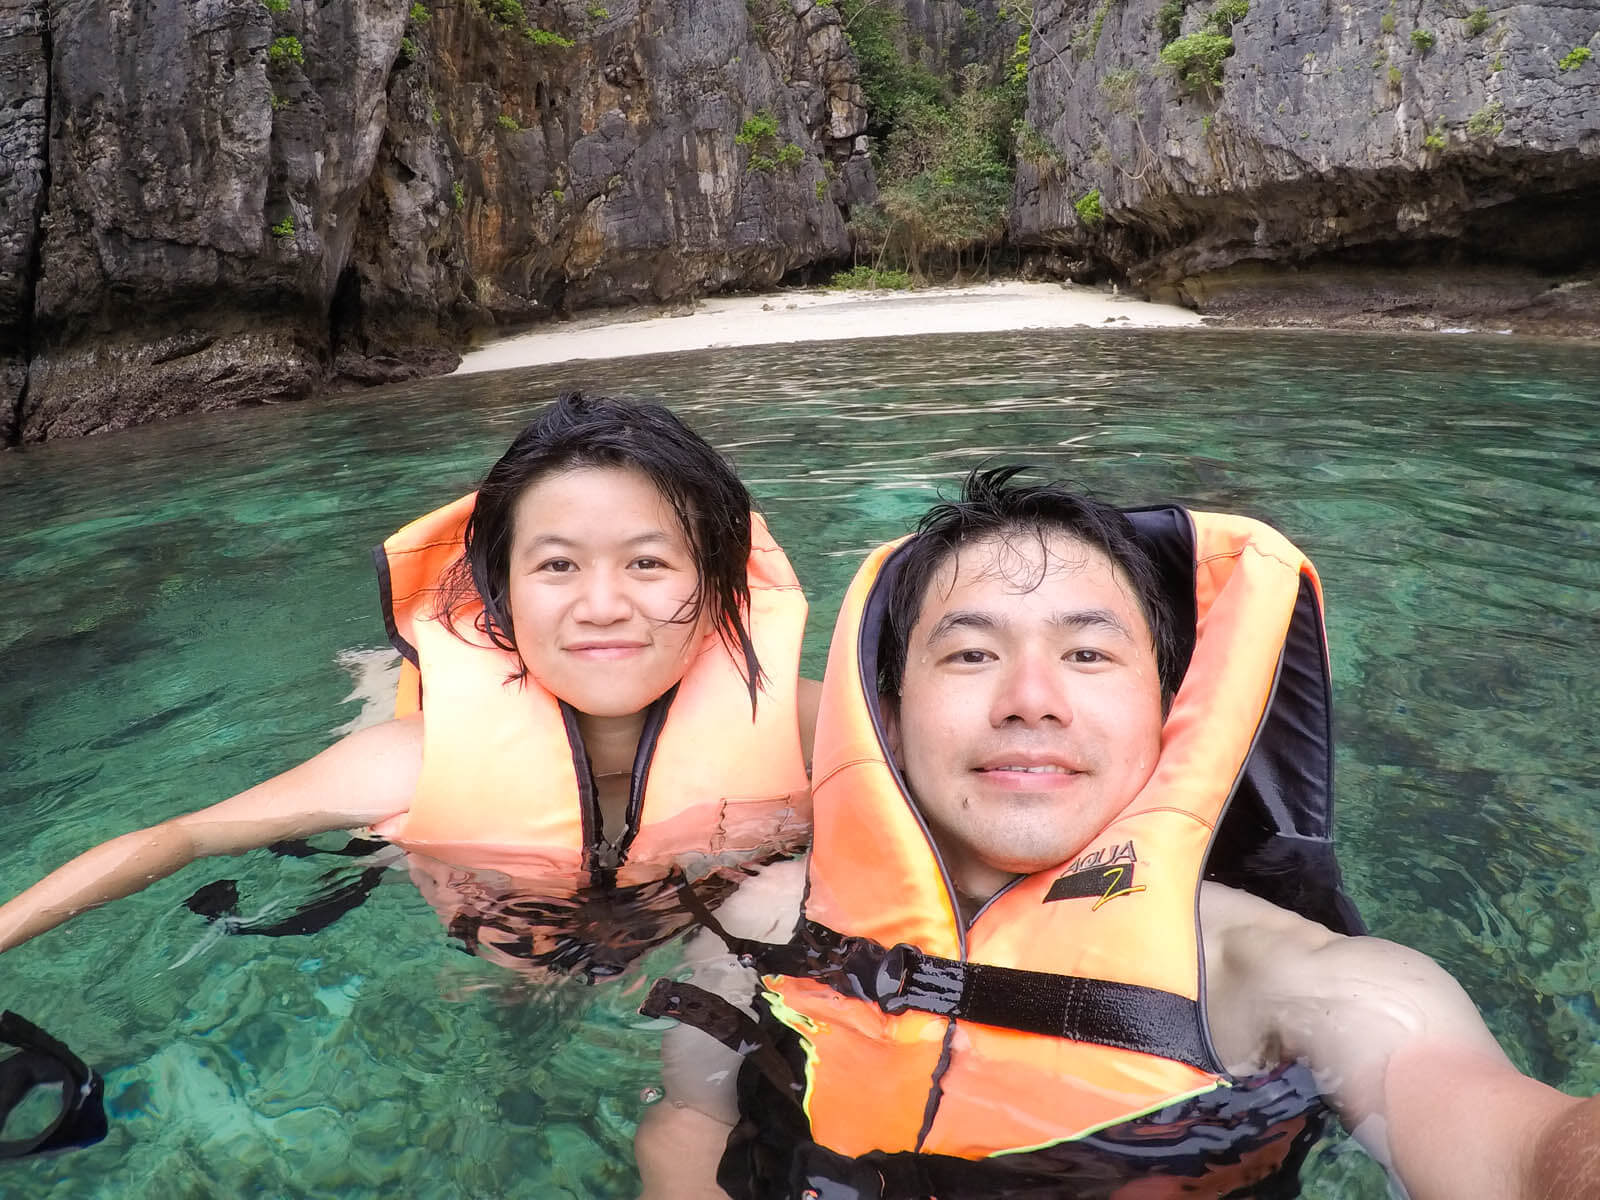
(820, 315)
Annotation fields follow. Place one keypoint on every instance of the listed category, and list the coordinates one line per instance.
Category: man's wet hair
(584, 431)
(993, 507)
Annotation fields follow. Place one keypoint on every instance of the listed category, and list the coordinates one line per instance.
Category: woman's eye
(558, 566)
(1085, 656)
(649, 564)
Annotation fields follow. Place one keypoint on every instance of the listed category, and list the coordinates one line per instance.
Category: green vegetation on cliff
(1089, 209)
(513, 16)
(944, 151)
(285, 50)
(889, 80)
(1488, 121)
(759, 135)
(1196, 59)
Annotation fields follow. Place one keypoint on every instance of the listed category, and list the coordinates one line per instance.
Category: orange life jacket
(505, 782)
(1074, 1001)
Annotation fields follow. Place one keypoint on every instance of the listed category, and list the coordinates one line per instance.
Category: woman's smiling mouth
(603, 650)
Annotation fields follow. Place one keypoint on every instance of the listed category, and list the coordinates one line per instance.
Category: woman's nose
(604, 600)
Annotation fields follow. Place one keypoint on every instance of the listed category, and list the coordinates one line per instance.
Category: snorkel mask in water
(40, 1062)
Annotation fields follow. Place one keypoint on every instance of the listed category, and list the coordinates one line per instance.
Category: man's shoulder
(1229, 915)
(1258, 966)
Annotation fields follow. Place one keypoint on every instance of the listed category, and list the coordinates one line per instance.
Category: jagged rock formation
(1368, 156)
(945, 36)
(24, 79)
(240, 201)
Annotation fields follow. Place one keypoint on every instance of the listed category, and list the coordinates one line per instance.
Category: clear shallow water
(175, 600)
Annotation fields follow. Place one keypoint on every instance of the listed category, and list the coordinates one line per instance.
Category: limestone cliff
(206, 203)
(1326, 147)
(24, 108)
(943, 36)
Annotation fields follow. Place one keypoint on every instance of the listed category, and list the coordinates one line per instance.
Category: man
(998, 985)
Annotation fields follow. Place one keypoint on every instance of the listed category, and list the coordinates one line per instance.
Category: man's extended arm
(1400, 1050)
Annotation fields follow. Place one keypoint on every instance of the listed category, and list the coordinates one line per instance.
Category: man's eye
(1085, 656)
(970, 658)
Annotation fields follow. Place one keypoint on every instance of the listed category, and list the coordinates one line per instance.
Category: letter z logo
(1102, 875)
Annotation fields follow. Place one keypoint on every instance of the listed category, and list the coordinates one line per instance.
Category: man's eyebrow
(1091, 618)
(962, 618)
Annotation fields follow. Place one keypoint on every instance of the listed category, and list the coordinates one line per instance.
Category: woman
(608, 676)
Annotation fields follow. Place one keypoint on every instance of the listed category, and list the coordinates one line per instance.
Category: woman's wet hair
(583, 431)
(993, 507)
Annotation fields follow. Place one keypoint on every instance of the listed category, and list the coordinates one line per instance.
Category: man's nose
(604, 600)
(1033, 691)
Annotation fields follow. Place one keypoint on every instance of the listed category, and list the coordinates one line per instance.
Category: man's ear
(889, 711)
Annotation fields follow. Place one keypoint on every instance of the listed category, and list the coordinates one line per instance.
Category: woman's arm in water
(357, 781)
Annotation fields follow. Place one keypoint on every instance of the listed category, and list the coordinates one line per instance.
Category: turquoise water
(178, 599)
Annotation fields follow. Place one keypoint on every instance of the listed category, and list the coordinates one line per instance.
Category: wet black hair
(991, 506)
(579, 431)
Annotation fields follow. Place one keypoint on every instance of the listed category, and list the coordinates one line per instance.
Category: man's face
(1030, 711)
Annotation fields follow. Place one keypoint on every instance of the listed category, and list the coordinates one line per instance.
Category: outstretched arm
(362, 779)
(1400, 1050)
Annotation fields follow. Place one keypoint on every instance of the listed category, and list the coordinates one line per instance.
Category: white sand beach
(819, 316)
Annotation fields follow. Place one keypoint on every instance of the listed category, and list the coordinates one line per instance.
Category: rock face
(24, 117)
(945, 36)
(1359, 155)
(243, 201)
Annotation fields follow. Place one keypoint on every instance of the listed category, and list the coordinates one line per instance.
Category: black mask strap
(43, 1060)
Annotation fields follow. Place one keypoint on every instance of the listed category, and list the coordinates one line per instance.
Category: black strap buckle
(907, 978)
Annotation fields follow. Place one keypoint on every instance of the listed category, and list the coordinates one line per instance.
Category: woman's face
(601, 580)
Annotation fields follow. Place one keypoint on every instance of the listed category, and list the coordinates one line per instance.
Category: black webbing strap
(725, 1022)
(1128, 1016)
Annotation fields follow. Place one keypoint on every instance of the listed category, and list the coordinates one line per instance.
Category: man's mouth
(1029, 770)
(1044, 769)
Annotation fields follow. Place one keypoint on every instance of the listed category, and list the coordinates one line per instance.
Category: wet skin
(602, 585)
(1031, 711)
